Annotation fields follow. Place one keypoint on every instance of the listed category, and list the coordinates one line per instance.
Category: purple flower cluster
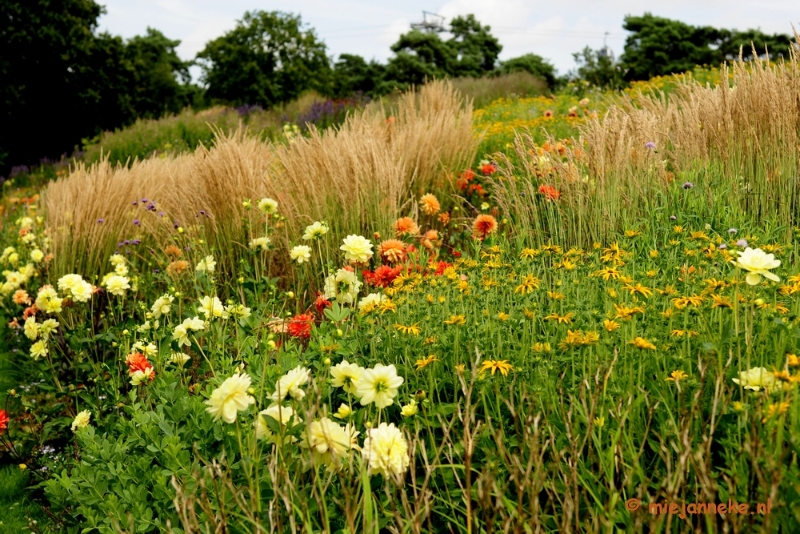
(330, 112)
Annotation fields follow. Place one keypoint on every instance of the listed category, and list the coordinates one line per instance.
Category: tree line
(63, 81)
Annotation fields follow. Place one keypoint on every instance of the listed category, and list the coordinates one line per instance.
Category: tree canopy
(62, 82)
(659, 46)
(267, 59)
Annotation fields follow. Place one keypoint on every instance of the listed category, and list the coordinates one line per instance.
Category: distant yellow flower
(676, 376)
(721, 302)
(776, 409)
(792, 360)
(460, 368)
(632, 233)
(642, 343)
(456, 320)
(561, 319)
(609, 273)
(496, 365)
(653, 253)
(610, 325)
(639, 289)
(577, 338)
(682, 302)
(555, 295)
(624, 312)
(528, 253)
(541, 347)
(599, 422)
(413, 329)
(529, 283)
(423, 363)
(503, 316)
(677, 229)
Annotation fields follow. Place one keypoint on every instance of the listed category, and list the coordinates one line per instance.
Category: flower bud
(290, 294)
(271, 344)
(339, 332)
(326, 361)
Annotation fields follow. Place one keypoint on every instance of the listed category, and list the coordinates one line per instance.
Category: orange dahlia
(173, 251)
(550, 192)
(299, 326)
(392, 251)
(430, 239)
(177, 267)
(137, 362)
(405, 226)
(483, 226)
(444, 218)
(21, 297)
(429, 204)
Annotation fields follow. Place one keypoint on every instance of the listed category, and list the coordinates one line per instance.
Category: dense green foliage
(268, 59)
(659, 46)
(57, 70)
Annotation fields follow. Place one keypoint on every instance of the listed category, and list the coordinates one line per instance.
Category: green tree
(659, 46)
(45, 51)
(598, 69)
(419, 56)
(62, 82)
(474, 49)
(161, 80)
(777, 45)
(533, 64)
(267, 59)
(352, 75)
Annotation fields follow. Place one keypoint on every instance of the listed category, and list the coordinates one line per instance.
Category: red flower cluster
(488, 169)
(3, 421)
(139, 362)
(441, 266)
(549, 192)
(321, 303)
(383, 276)
(300, 325)
(465, 178)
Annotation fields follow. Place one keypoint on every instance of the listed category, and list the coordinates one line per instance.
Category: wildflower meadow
(563, 314)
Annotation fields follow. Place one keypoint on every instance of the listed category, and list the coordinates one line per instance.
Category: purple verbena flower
(688, 185)
(742, 243)
(100, 221)
(137, 222)
(650, 144)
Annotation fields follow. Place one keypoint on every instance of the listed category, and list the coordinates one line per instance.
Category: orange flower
(430, 238)
(392, 251)
(21, 297)
(299, 326)
(31, 310)
(177, 267)
(3, 420)
(138, 362)
(405, 226)
(321, 303)
(483, 226)
(488, 169)
(548, 113)
(430, 204)
(444, 218)
(173, 251)
(550, 192)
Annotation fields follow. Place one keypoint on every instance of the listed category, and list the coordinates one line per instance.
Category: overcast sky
(552, 29)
